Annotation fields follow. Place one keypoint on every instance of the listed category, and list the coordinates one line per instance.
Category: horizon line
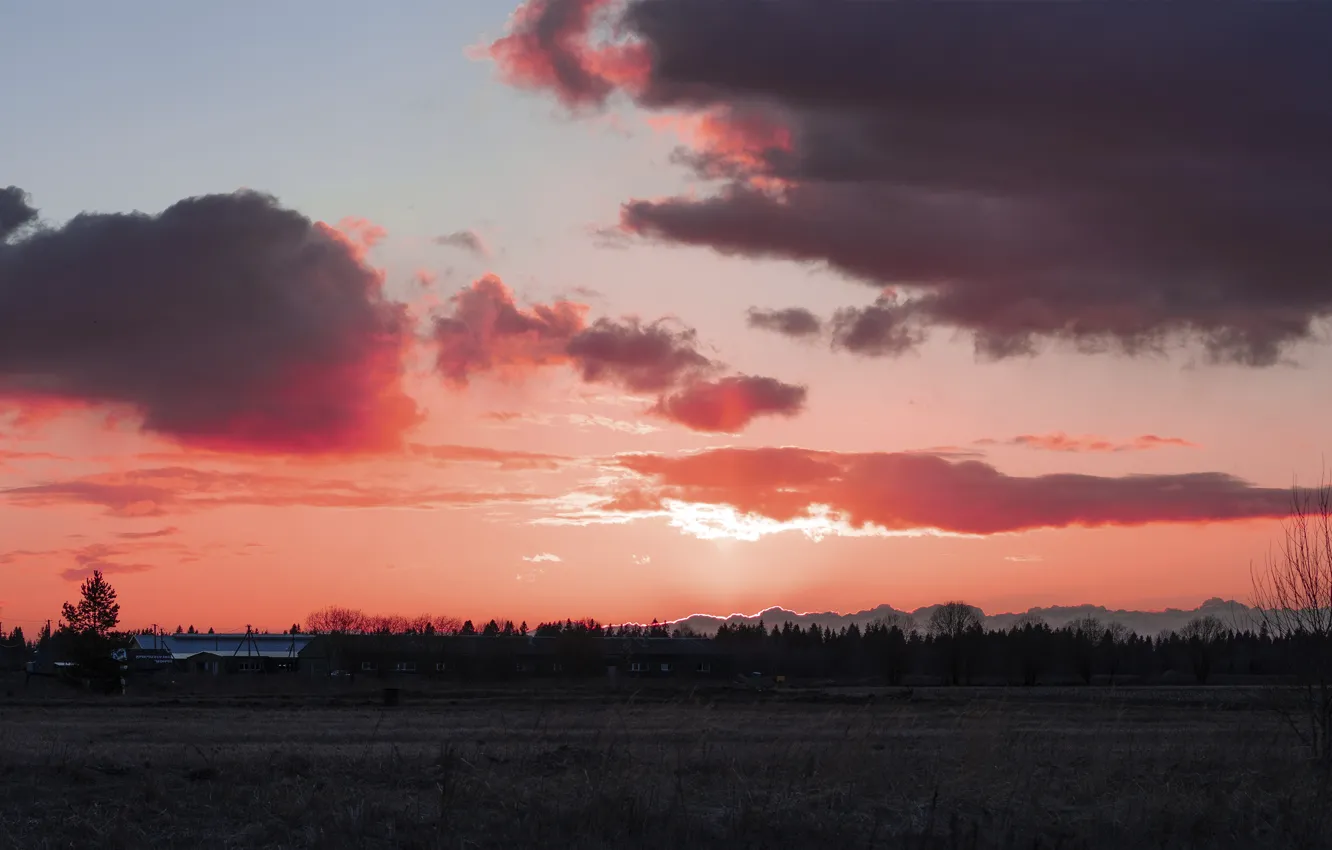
(740, 615)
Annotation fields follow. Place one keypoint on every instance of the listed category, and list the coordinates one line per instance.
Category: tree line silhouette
(952, 646)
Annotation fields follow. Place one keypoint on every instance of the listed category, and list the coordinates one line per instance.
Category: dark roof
(237, 644)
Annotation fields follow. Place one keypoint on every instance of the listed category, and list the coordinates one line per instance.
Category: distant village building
(436, 656)
(220, 653)
(478, 656)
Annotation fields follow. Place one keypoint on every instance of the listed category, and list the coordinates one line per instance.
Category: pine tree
(98, 611)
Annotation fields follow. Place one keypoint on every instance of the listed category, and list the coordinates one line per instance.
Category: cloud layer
(903, 492)
(503, 458)
(225, 322)
(166, 491)
(1061, 442)
(485, 331)
(1118, 176)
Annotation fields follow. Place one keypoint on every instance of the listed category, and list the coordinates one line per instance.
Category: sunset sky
(635, 310)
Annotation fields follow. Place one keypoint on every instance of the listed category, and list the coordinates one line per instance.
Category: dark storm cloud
(485, 331)
(225, 321)
(728, 405)
(791, 321)
(14, 211)
(640, 357)
(544, 50)
(1120, 176)
(885, 328)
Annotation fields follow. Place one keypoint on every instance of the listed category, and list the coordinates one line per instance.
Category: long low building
(478, 656)
(222, 653)
(449, 656)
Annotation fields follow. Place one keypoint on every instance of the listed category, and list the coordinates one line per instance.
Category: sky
(644, 309)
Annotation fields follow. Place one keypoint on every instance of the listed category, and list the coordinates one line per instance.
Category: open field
(938, 768)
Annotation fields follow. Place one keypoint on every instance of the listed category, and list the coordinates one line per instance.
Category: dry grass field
(940, 768)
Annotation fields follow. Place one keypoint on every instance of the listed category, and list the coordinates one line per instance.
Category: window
(637, 667)
(369, 666)
(440, 666)
(251, 666)
(703, 667)
(665, 667)
(405, 667)
(557, 667)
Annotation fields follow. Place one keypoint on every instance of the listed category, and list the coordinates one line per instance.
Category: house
(665, 657)
(248, 652)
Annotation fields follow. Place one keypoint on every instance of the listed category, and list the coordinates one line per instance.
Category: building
(404, 656)
(504, 657)
(665, 657)
(214, 654)
(443, 656)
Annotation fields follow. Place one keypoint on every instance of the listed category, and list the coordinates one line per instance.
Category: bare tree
(335, 619)
(1116, 637)
(954, 619)
(1031, 635)
(904, 623)
(953, 625)
(1086, 633)
(1292, 593)
(1200, 636)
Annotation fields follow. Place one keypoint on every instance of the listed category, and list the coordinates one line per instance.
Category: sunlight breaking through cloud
(722, 522)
